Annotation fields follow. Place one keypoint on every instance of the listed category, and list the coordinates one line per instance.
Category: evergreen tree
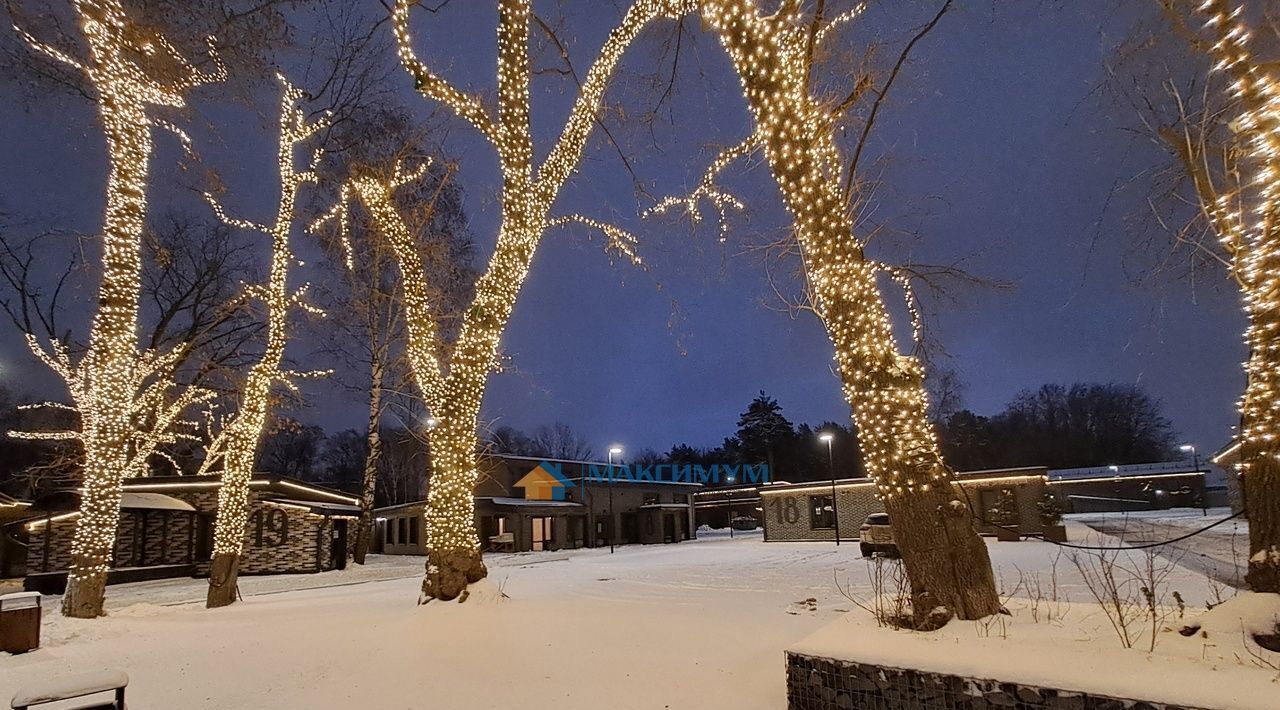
(763, 432)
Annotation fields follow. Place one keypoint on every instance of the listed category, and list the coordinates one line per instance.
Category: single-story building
(808, 512)
(719, 507)
(166, 529)
(529, 504)
(1152, 486)
(13, 551)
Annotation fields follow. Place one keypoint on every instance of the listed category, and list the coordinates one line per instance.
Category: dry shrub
(1132, 589)
(890, 599)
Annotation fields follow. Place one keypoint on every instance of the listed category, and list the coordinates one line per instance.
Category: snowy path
(1219, 553)
(695, 625)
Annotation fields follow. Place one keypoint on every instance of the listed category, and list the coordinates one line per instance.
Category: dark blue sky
(997, 152)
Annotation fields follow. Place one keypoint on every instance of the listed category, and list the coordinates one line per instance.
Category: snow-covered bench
(77, 686)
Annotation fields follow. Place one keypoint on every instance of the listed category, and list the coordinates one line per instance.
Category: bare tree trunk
(224, 573)
(369, 483)
(1261, 477)
(946, 560)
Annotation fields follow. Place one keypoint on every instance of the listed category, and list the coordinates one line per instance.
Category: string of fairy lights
(528, 193)
(244, 432)
(113, 379)
(795, 131)
(1247, 219)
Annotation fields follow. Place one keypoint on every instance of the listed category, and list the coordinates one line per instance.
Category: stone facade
(280, 537)
(49, 546)
(826, 684)
(787, 513)
(789, 510)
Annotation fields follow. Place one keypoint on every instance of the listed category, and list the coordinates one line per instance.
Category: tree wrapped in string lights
(1229, 147)
(946, 560)
(453, 390)
(237, 444)
(126, 399)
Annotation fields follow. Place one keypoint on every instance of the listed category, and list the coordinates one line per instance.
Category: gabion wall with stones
(825, 684)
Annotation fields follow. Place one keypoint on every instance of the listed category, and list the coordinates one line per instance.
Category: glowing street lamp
(829, 438)
(1191, 449)
(1195, 460)
(613, 519)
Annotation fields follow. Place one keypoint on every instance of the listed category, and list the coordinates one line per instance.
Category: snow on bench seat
(73, 686)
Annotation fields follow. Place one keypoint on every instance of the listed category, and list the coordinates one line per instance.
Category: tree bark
(453, 544)
(224, 573)
(369, 482)
(450, 571)
(946, 560)
(1261, 458)
(1262, 500)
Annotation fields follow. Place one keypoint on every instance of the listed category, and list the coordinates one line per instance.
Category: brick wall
(278, 539)
(824, 684)
(1027, 494)
(787, 513)
(58, 534)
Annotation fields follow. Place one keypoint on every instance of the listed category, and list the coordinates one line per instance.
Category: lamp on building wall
(829, 439)
(613, 519)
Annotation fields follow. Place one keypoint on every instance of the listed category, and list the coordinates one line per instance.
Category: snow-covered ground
(694, 625)
(1213, 667)
(1220, 552)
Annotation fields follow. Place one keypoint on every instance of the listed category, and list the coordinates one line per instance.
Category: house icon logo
(544, 482)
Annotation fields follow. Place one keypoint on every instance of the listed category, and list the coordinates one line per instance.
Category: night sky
(998, 151)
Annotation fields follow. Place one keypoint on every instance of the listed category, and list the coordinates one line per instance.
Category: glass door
(541, 534)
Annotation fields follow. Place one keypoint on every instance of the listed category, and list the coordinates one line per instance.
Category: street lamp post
(1195, 460)
(829, 438)
(613, 519)
(1115, 472)
(729, 480)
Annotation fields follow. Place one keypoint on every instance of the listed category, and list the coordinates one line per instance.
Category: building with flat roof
(166, 530)
(528, 504)
(815, 511)
(731, 506)
(1149, 486)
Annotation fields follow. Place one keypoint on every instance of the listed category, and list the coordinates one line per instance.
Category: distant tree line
(1055, 426)
(764, 436)
(1061, 427)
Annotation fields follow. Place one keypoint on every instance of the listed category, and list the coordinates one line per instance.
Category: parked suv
(877, 536)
